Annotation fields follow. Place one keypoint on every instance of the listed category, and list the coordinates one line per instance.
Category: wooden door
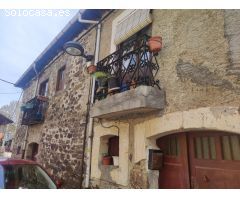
(175, 173)
(214, 160)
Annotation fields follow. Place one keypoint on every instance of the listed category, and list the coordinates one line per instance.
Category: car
(24, 174)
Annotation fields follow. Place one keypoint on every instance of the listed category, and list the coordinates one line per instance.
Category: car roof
(11, 161)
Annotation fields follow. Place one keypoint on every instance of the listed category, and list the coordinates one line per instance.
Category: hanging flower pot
(155, 44)
(91, 68)
(107, 160)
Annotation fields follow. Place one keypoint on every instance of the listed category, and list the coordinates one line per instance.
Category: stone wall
(196, 56)
(60, 137)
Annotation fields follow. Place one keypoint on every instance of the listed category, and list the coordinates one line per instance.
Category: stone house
(167, 119)
(4, 121)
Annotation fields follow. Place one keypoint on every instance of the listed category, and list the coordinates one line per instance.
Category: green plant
(100, 75)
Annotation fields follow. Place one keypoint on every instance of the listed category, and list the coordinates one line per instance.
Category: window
(60, 79)
(169, 145)
(127, 24)
(43, 90)
(134, 68)
(109, 150)
(230, 145)
(205, 147)
(113, 146)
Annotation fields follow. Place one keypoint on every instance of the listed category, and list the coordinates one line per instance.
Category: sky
(23, 36)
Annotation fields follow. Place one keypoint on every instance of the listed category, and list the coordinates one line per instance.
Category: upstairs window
(43, 90)
(60, 79)
(131, 22)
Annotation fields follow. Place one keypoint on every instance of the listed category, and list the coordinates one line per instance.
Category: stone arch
(32, 151)
(208, 118)
(221, 118)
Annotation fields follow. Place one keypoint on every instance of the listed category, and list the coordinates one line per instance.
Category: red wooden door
(214, 160)
(175, 173)
(200, 160)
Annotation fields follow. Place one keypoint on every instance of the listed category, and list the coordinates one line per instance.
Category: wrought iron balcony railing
(34, 110)
(130, 66)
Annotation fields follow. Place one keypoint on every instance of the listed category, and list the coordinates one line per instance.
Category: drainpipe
(90, 102)
(90, 130)
(26, 135)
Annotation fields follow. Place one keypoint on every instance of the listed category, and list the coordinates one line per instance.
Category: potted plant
(101, 78)
(107, 160)
(113, 84)
(155, 44)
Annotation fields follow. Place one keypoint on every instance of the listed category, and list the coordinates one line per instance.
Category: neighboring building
(166, 120)
(4, 120)
(4, 135)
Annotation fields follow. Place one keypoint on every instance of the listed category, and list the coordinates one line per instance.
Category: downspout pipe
(27, 133)
(92, 84)
(91, 122)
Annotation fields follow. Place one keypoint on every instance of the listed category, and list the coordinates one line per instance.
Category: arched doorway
(202, 159)
(32, 151)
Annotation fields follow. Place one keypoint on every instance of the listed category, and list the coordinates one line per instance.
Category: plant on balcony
(101, 78)
(113, 84)
(155, 44)
(33, 110)
(132, 65)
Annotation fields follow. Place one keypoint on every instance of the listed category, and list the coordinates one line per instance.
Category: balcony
(34, 110)
(126, 84)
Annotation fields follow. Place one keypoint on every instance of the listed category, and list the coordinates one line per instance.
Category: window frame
(46, 85)
(61, 82)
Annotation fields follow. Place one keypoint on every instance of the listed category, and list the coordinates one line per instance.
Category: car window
(1, 177)
(27, 176)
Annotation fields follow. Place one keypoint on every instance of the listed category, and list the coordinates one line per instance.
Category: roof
(11, 161)
(4, 120)
(69, 32)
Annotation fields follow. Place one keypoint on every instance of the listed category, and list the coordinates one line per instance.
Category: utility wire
(16, 106)
(10, 92)
(6, 81)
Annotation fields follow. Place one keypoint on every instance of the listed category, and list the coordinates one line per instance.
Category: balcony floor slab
(141, 100)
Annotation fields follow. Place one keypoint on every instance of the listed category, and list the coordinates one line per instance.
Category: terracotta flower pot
(107, 160)
(155, 44)
(91, 69)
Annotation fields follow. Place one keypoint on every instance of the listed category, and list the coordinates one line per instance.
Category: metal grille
(35, 114)
(132, 65)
